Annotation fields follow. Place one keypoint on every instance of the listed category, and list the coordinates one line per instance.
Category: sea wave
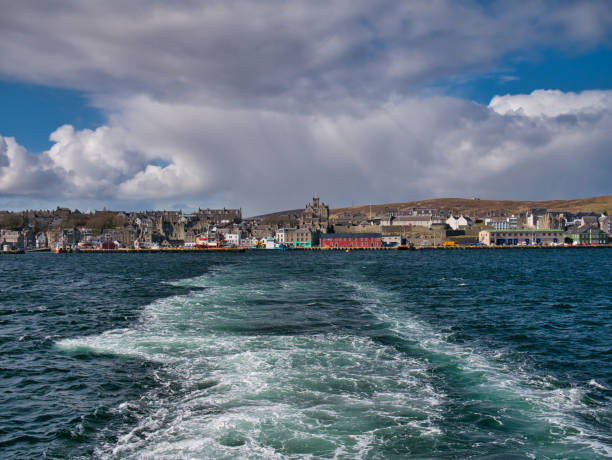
(230, 391)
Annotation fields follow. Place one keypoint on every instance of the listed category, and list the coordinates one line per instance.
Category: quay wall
(395, 248)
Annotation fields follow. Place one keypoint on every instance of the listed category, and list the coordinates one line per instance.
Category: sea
(307, 355)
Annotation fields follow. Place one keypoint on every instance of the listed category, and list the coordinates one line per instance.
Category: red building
(107, 245)
(351, 240)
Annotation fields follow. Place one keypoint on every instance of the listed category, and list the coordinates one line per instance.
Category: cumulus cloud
(264, 160)
(261, 104)
(86, 164)
(93, 161)
(22, 173)
(552, 103)
(297, 55)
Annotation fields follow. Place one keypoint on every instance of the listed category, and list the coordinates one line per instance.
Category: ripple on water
(307, 356)
(265, 395)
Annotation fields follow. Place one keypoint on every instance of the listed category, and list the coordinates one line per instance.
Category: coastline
(242, 250)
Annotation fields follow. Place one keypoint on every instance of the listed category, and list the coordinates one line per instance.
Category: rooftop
(527, 230)
(351, 235)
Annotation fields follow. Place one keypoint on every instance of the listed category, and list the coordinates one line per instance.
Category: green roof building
(521, 237)
(591, 235)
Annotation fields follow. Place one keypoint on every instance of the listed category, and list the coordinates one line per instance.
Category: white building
(457, 222)
(418, 221)
(41, 241)
(501, 223)
(391, 240)
(282, 235)
(233, 239)
(604, 224)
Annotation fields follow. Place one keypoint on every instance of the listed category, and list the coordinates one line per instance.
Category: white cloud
(263, 104)
(552, 103)
(278, 53)
(266, 160)
(22, 173)
(92, 162)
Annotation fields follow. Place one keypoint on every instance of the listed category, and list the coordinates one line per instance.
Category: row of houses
(309, 227)
(545, 237)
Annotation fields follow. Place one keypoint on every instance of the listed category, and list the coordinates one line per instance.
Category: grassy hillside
(473, 207)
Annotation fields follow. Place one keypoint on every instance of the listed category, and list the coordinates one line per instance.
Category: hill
(472, 207)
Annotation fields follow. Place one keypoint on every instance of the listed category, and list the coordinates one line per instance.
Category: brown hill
(475, 207)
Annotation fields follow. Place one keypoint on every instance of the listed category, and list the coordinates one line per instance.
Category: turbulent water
(440, 354)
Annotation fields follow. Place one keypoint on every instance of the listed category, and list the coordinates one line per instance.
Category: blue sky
(536, 69)
(31, 112)
(260, 105)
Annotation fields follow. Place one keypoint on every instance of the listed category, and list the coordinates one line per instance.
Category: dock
(160, 250)
(311, 249)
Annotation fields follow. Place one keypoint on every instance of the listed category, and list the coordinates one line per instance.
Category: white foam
(597, 385)
(546, 403)
(260, 396)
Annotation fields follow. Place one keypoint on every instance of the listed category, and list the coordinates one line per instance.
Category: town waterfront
(307, 354)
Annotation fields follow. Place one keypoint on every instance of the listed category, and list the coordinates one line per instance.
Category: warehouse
(521, 237)
(351, 240)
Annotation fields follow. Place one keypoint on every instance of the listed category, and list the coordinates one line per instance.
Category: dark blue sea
(307, 355)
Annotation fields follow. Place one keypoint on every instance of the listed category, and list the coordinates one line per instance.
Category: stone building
(12, 239)
(604, 224)
(297, 237)
(551, 220)
(315, 216)
(220, 215)
(533, 216)
(421, 220)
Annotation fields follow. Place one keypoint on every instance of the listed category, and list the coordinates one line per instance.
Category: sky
(263, 104)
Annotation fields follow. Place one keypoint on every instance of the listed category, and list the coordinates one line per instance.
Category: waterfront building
(41, 241)
(283, 235)
(296, 237)
(391, 240)
(233, 239)
(12, 239)
(269, 243)
(521, 237)
(351, 240)
(248, 242)
(588, 235)
(108, 244)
